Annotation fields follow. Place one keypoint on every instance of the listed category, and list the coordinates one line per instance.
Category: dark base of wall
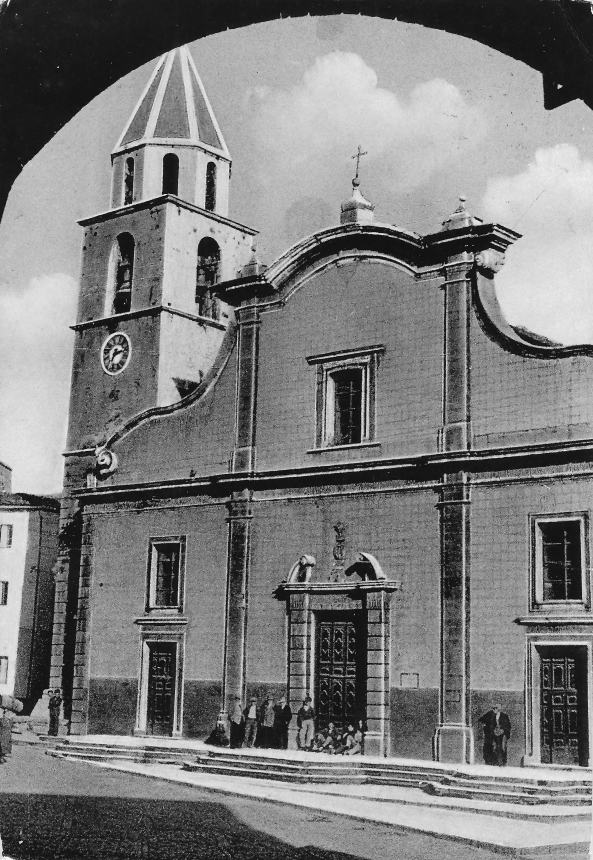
(414, 713)
(112, 706)
(113, 702)
(201, 706)
(414, 716)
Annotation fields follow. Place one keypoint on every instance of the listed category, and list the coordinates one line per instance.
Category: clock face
(115, 353)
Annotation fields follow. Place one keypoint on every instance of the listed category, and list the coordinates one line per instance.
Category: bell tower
(149, 325)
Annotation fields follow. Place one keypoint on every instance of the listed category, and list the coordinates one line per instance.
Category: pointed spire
(174, 107)
(460, 217)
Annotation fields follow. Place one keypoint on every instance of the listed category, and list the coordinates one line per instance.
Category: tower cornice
(161, 201)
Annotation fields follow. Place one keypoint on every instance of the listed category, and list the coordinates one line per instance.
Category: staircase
(519, 786)
(433, 780)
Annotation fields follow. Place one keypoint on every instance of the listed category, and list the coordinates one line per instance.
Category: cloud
(35, 361)
(314, 127)
(547, 282)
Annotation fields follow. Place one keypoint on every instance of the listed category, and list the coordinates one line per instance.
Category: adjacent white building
(28, 549)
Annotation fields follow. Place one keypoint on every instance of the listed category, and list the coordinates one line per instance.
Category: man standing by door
(305, 724)
(497, 731)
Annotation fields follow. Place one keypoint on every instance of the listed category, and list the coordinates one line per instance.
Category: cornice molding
(421, 467)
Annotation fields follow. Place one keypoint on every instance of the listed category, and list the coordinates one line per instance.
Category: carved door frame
(304, 601)
(538, 644)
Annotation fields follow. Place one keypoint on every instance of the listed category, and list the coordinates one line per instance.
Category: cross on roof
(358, 156)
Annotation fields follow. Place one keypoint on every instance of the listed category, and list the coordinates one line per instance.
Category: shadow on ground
(52, 827)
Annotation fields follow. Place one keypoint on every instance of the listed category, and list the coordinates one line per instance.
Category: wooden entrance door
(563, 687)
(340, 671)
(161, 688)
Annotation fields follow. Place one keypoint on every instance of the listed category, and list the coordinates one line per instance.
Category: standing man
(497, 731)
(282, 718)
(250, 714)
(265, 724)
(55, 704)
(306, 724)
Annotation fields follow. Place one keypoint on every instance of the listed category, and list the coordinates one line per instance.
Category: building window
(345, 407)
(129, 181)
(559, 560)
(210, 199)
(3, 670)
(165, 573)
(170, 174)
(5, 536)
(3, 592)
(207, 275)
(124, 274)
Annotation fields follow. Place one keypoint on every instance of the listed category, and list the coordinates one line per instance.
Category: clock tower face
(115, 353)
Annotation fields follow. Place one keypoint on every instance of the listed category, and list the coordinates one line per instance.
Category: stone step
(302, 776)
(477, 793)
(525, 786)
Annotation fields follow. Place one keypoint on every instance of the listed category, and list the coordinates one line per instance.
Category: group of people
(334, 742)
(262, 725)
(265, 725)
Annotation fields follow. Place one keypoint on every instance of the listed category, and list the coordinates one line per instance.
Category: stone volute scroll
(106, 461)
(302, 569)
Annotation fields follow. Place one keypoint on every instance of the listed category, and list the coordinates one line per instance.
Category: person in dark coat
(218, 736)
(237, 723)
(265, 724)
(282, 718)
(55, 704)
(497, 731)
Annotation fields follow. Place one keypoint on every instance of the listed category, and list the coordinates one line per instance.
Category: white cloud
(547, 283)
(35, 361)
(339, 104)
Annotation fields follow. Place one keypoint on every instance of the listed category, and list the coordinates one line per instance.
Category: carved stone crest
(338, 552)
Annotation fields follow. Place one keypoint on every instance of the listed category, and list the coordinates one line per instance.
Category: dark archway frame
(57, 56)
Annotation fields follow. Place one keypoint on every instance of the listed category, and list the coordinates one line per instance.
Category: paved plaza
(52, 809)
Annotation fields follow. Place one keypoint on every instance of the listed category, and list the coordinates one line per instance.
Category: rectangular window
(165, 573)
(560, 565)
(3, 592)
(3, 670)
(5, 535)
(346, 384)
(348, 406)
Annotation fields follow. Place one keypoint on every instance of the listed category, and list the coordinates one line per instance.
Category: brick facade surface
(196, 439)
(517, 399)
(121, 545)
(501, 570)
(382, 305)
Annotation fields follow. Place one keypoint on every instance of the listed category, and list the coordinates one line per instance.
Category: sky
(439, 116)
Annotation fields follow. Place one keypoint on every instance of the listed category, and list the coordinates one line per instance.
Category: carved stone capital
(489, 261)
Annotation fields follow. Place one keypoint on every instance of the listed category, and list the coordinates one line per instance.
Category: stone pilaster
(237, 597)
(453, 739)
(80, 679)
(66, 576)
(243, 458)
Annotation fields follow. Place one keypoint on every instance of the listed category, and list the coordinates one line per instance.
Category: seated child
(346, 741)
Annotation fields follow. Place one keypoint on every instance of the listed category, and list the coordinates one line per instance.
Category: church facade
(343, 475)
